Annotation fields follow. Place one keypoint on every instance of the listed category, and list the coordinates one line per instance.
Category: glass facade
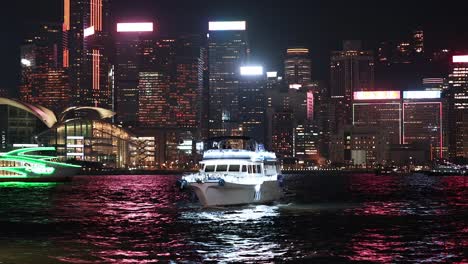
(91, 141)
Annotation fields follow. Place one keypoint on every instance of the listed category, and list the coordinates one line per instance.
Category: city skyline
(320, 26)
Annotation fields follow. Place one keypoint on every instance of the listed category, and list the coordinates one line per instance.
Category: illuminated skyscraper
(171, 82)
(458, 107)
(129, 51)
(43, 80)
(227, 51)
(86, 29)
(252, 103)
(297, 66)
(380, 110)
(422, 121)
(351, 70)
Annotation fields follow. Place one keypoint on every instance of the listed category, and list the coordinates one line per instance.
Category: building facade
(227, 52)
(351, 70)
(458, 108)
(297, 67)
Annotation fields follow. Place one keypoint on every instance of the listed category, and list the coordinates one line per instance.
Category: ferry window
(250, 168)
(209, 168)
(259, 169)
(234, 167)
(221, 168)
(244, 168)
(254, 169)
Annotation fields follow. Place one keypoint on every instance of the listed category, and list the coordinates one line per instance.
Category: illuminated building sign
(421, 94)
(295, 86)
(462, 59)
(272, 74)
(377, 95)
(227, 25)
(251, 70)
(135, 27)
(88, 31)
(26, 62)
(297, 50)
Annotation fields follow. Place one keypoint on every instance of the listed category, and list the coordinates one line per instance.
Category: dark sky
(272, 25)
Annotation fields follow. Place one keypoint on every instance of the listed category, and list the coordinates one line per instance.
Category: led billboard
(421, 94)
(458, 59)
(251, 70)
(135, 27)
(376, 95)
(226, 25)
(88, 31)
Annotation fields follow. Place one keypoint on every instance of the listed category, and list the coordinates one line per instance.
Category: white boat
(228, 176)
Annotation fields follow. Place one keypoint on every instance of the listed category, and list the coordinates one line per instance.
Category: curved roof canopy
(45, 115)
(103, 113)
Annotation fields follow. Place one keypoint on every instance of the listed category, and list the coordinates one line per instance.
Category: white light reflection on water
(235, 235)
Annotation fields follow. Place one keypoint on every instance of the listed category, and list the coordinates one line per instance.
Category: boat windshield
(234, 168)
(222, 168)
(209, 168)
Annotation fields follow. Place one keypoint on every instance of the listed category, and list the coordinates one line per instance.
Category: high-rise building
(306, 144)
(227, 52)
(129, 51)
(297, 67)
(86, 31)
(283, 134)
(458, 107)
(381, 110)
(43, 80)
(422, 121)
(171, 83)
(351, 70)
(252, 103)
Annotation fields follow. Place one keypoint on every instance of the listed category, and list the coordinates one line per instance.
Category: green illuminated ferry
(22, 166)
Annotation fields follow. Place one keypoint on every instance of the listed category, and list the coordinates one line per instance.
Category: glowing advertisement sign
(226, 25)
(135, 27)
(421, 94)
(251, 70)
(88, 31)
(377, 95)
(272, 74)
(462, 59)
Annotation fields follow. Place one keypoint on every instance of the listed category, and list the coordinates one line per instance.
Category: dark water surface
(322, 219)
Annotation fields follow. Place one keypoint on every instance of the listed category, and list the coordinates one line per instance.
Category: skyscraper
(297, 67)
(43, 80)
(458, 107)
(252, 103)
(86, 29)
(381, 110)
(351, 70)
(422, 121)
(129, 51)
(227, 51)
(171, 82)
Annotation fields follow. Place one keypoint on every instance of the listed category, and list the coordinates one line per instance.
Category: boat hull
(213, 194)
(61, 174)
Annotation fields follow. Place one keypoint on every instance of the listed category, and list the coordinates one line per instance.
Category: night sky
(272, 25)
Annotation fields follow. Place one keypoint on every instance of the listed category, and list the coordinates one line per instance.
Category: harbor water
(321, 219)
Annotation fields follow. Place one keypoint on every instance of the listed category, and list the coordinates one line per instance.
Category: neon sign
(135, 27)
(377, 95)
(421, 94)
(227, 25)
(462, 59)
